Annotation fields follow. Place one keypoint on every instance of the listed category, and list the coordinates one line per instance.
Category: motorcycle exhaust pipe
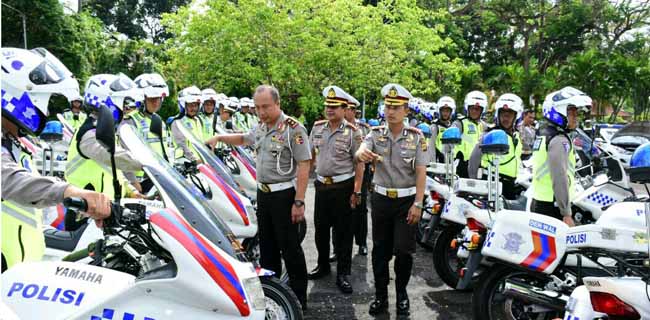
(529, 294)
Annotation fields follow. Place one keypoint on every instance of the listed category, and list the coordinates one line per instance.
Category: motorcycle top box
(530, 240)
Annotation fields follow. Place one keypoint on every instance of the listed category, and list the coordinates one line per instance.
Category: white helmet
(246, 102)
(111, 90)
(475, 98)
(152, 85)
(189, 95)
(29, 79)
(446, 102)
(209, 94)
(234, 103)
(74, 98)
(556, 104)
(508, 101)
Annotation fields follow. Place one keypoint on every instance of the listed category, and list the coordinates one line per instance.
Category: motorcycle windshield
(242, 152)
(187, 199)
(209, 157)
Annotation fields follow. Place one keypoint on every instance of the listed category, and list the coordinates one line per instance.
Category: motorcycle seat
(517, 204)
(63, 240)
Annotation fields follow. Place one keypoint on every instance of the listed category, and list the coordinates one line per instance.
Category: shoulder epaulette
(291, 122)
(414, 129)
(376, 128)
(320, 122)
(352, 126)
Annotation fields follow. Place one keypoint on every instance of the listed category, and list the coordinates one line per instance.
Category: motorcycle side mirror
(105, 132)
(156, 126)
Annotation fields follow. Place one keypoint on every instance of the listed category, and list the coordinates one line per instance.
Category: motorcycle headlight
(252, 214)
(253, 288)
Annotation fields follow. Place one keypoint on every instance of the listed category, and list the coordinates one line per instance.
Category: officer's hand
(297, 214)
(137, 186)
(414, 215)
(569, 221)
(99, 204)
(354, 200)
(367, 156)
(212, 142)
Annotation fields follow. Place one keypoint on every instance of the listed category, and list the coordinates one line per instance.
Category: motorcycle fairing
(219, 269)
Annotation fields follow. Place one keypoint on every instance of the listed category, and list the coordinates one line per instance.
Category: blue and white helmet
(29, 79)
(415, 104)
(556, 104)
(189, 95)
(446, 102)
(380, 110)
(508, 101)
(640, 164)
(111, 90)
(475, 98)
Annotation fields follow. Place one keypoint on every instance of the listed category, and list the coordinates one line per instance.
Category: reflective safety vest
(195, 125)
(88, 174)
(142, 124)
(22, 229)
(75, 124)
(509, 163)
(441, 130)
(542, 183)
(472, 131)
(208, 125)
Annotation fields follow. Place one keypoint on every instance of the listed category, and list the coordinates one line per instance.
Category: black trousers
(391, 235)
(546, 208)
(279, 239)
(360, 213)
(461, 169)
(332, 210)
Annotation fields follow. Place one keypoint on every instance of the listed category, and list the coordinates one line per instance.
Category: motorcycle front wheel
(489, 302)
(281, 302)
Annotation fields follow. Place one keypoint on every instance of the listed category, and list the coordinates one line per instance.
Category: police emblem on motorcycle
(513, 242)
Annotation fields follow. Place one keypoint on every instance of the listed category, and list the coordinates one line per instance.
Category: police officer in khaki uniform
(338, 185)
(360, 213)
(400, 154)
(283, 160)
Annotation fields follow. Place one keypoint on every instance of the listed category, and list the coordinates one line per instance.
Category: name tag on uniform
(537, 144)
(472, 128)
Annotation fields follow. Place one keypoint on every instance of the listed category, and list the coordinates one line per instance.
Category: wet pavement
(430, 298)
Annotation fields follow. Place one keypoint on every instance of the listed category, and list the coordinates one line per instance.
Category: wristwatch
(298, 203)
(358, 194)
(419, 205)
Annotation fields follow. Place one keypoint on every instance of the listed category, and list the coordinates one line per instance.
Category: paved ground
(430, 297)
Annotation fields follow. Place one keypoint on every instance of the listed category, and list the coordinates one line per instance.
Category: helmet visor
(24, 113)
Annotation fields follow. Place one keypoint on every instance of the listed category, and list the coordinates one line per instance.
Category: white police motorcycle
(181, 261)
(539, 259)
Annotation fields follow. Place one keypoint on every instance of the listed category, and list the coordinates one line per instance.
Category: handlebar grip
(76, 204)
(76, 256)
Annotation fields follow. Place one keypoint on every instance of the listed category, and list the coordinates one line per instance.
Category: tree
(303, 46)
(137, 19)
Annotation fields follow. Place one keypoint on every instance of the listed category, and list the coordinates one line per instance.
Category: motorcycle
(182, 260)
(539, 260)
(241, 166)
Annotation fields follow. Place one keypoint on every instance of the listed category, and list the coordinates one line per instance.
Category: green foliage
(303, 46)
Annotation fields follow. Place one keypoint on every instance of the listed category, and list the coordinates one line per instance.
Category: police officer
(89, 164)
(472, 127)
(226, 112)
(189, 100)
(338, 185)
(360, 213)
(446, 109)
(23, 191)
(527, 133)
(209, 99)
(74, 117)
(154, 89)
(554, 176)
(507, 110)
(283, 160)
(400, 157)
